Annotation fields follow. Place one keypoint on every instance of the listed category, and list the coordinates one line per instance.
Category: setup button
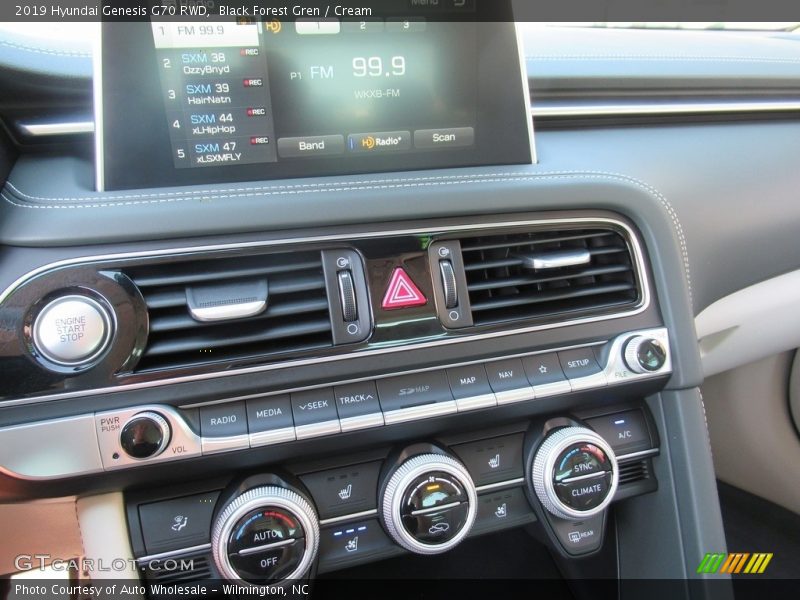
(317, 145)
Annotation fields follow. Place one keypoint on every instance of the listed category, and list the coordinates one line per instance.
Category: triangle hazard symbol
(402, 292)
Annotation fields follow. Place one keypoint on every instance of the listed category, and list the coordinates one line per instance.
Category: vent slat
(516, 262)
(521, 281)
(296, 320)
(632, 472)
(203, 342)
(532, 242)
(233, 272)
(176, 322)
(551, 296)
(502, 289)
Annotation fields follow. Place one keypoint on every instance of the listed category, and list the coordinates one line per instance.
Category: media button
(444, 138)
(317, 145)
(385, 141)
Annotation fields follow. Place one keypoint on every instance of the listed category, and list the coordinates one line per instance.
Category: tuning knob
(644, 354)
(575, 473)
(266, 535)
(429, 504)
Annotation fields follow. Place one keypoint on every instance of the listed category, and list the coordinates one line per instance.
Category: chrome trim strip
(311, 430)
(641, 454)
(596, 475)
(426, 411)
(636, 250)
(500, 484)
(565, 109)
(408, 372)
(526, 89)
(557, 260)
(589, 382)
(361, 422)
(432, 509)
(256, 549)
(97, 96)
(211, 314)
(171, 553)
(517, 395)
(554, 388)
(476, 402)
(351, 517)
(272, 436)
(212, 445)
(46, 129)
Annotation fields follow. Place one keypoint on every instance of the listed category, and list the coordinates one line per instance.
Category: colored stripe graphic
(734, 563)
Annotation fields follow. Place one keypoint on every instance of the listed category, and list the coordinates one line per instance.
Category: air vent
(548, 274)
(186, 569)
(295, 317)
(633, 472)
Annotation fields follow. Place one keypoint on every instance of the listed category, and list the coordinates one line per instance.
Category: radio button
(223, 420)
(386, 141)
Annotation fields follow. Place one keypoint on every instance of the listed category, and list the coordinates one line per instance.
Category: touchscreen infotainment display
(250, 99)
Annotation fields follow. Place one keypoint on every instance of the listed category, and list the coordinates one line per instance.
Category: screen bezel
(507, 115)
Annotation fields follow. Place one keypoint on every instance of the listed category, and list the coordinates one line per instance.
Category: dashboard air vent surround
(549, 274)
(296, 317)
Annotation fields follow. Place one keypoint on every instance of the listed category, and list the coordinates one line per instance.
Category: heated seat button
(272, 564)
(222, 420)
(263, 527)
(584, 494)
(502, 510)
(352, 543)
(179, 523)
(345, 491)
(493, 460)
(580, 362)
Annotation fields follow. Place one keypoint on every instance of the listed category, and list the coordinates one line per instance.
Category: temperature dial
(265, 536)
(429, 504)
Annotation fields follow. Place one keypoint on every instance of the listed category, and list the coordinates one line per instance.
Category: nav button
(318, 145)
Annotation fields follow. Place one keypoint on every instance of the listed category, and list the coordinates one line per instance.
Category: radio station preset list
(266, 91)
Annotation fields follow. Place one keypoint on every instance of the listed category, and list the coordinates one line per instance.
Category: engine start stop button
(72, 330)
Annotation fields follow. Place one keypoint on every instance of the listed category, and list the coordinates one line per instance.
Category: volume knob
(145, 435)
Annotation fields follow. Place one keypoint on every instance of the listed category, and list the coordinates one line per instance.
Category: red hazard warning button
(402, 292)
